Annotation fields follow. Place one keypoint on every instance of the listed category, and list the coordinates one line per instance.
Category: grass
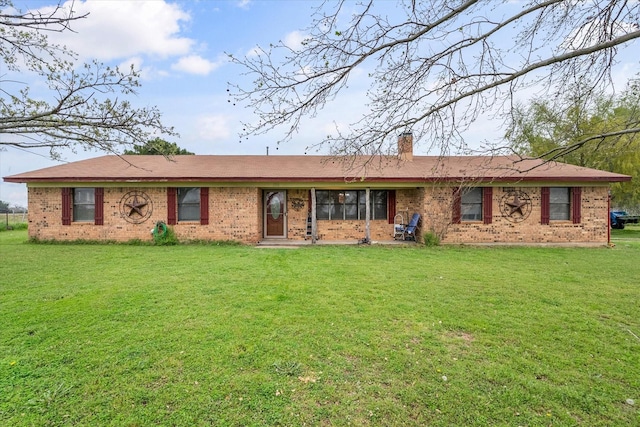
(631, 232)
(194, 335)
(13, 221)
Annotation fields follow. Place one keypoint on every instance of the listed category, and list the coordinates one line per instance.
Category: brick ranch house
(476, 199)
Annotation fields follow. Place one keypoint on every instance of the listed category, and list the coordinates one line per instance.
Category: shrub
(163, 235)
(431, 239)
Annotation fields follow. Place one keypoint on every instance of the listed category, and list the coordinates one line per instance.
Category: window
(188, 203)
(378, 199)
(84, 204)
(559, 204)
(471, 204)
(323, 205)
(350, 204)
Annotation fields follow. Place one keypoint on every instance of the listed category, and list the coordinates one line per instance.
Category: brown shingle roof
(210, 168)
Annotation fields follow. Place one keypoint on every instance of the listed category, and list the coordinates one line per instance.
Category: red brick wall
(234, 214)
(592, 228)
(297, 213)
(354, 230)
(237, 214)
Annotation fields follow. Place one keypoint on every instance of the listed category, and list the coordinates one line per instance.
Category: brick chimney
(405, 146)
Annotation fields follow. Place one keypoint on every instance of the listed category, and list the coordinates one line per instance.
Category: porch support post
(367, 209)
(314, 223)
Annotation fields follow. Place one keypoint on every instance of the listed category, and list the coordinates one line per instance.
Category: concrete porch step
(284, 243)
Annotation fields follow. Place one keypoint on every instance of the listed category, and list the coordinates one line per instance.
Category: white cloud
(623, 73)
(294, 40)
(214, 127)
(593, 33)
(195, 64)
(291, 40)
(146, 72)
(254, 52)
(136, 61)
(120, 29)
(243, 4)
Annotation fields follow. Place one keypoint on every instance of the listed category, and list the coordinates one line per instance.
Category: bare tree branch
(83, 109)
(434, 67)
(558, 152)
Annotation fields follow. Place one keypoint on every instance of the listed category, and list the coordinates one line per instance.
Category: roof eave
(450, 179)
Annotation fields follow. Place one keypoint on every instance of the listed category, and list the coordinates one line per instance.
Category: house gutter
(416, 180)
(608, 218)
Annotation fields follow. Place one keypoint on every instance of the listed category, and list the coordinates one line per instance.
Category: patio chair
(398, 227)
(409, 232)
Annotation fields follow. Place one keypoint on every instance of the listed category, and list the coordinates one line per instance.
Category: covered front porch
(336, 214)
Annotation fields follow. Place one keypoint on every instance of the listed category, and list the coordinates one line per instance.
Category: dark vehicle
(618, 219)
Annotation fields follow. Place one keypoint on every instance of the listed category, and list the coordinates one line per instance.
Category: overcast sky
(180, 48)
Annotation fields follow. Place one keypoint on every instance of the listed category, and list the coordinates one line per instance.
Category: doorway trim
(270, 210)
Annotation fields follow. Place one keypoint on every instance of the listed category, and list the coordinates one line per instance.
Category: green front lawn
(361, 335)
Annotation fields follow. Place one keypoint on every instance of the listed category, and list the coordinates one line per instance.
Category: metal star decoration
(516, 205)
(136, 206)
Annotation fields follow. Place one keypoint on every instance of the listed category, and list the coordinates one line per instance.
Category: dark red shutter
(171, 206)
(576, 204)
(487, 204)
(204, 205)
(457, 206)
(391, 205)
(66, 206)
(99, 201)
(544, 205)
